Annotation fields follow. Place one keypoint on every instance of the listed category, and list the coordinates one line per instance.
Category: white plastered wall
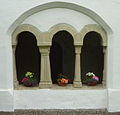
(108, 10)
(46, 19)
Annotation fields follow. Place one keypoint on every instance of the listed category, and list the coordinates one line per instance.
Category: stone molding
(22, 28)
(95, 28)
(44, 42)
(60, 27)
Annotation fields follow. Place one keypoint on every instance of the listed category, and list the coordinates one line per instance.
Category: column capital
(77, 49)
(14, 48)
(44, 49)
(104, 49)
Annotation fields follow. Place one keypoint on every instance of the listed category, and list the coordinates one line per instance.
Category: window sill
(68, 87)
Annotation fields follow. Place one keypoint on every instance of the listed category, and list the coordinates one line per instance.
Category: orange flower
(64, 80)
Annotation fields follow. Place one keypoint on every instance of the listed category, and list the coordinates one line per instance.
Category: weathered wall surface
(108, 10)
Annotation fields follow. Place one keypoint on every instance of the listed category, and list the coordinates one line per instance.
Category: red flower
(24, 79)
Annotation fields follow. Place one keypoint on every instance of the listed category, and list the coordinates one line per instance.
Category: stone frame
(18, 30)
(103, 34)
(44, 42)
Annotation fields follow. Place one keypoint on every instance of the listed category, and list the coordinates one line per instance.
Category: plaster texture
(56, 16)
(6, 100)
(60, 99)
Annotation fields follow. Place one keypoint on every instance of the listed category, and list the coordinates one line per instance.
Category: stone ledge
(60, 112)
(69, 86)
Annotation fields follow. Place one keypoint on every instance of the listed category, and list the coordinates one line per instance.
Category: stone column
(45, 77)
(104, 71)
(77, 77)
(15, 81)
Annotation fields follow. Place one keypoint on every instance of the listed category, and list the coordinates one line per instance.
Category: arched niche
(27, 55)
(96, 28)
(92, 57)
(62, 55)
(60, 27)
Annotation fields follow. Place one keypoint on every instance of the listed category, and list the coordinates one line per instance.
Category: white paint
(114, 100)
(108, 10)
(6, 100)
(46, 19)
(60, 99)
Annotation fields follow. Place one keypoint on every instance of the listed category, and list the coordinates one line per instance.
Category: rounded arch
(62, 55)
(22, 28)
(92, 57)
(62, 27)
(95, 28)
(27, 56)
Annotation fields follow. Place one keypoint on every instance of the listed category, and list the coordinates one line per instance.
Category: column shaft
(104, 71)
(14, 69)
(77, 78)
(45, 77)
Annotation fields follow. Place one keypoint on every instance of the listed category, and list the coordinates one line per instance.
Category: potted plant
(62, 80)
(30, 79)
(91, 79)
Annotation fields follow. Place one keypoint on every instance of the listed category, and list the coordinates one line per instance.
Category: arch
(60, 27)
(95, 28)
(68, 5)
(102, 28)
(27, 56)
(17, 31)
(65, 61)
(22, 28)
(92, 57)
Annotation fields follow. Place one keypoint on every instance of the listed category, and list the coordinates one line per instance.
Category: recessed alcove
(92, 57)
(27, 56)
(62, 56)
(61, 49)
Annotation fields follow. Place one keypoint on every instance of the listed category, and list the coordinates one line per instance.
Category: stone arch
(18, 30)
(62, 55)
(22, 28)
(98, 29)
(95, 28)
(27, 56)
(60, 27)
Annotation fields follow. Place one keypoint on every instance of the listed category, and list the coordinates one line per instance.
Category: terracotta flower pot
(62, 84)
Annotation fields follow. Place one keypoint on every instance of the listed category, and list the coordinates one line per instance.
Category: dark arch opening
(27, 55)
(62, 56)
(92, 58)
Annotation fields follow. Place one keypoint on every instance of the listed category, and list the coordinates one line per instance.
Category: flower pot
(91, 83)
(62, 84)
(29, 83)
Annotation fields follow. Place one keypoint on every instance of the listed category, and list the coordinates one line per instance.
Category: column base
(45, 84)
(16, 84)
(104, 83)
(77, 84)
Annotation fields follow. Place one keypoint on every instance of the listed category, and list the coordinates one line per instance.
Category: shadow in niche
(92, 58)
(55, 60)
(62, 56)
(27, 55)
